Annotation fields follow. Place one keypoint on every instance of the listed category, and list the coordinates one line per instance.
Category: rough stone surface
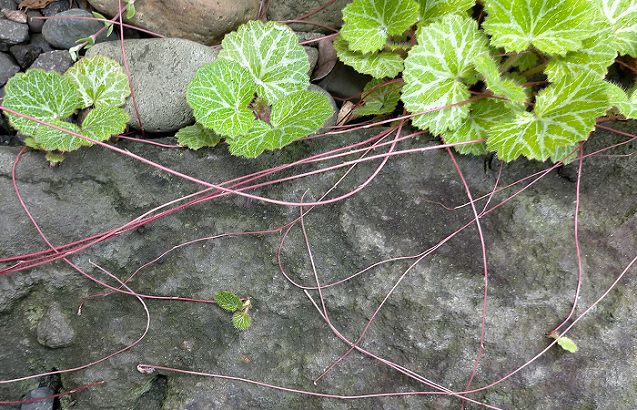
(39, 393)
(38, 40)
(56, 7)
(8, 68)
(430, 324)
(8, 4)
(203, 21)
(58, 60)
(13, 33)
(35, 23)
(25, 54)
(54, 329)
(293, 9)
(312, 56)
(64, 32)
(161, 70)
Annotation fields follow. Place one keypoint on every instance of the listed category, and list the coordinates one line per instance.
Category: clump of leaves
(466, 78)
(255, 94)
(86, 100)
(230, 302)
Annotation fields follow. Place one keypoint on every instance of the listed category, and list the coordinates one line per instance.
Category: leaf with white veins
(100, 81)
(378, 65)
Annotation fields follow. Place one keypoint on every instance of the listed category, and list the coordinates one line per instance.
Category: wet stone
(8, 68)
(54, 330)
(13, 33)
(25, 54)
(58, 60)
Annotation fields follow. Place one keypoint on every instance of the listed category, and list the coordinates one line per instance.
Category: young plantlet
(230, 302)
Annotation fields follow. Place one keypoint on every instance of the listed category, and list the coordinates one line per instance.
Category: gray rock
(8, 68)
(161, 70)
(38, 40)
(54, 330)
(13, 33)
(56, 7)
(39, 393)
(25, 54)
(35, 23)
(203, 21)
(430, 324)
(8, 4)
(312, 56)
(292, 9)
(58, 60)
(64, 32)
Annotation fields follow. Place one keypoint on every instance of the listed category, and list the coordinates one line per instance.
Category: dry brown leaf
(15, 15)
(326, 59)
(346, 113)
(34, 4)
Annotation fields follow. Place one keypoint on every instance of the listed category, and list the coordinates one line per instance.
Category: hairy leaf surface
(100, 81)
(271, 54)
(219, 96)
(241, 320)
(103, 122)
(369, 23)
(50, 139)
(196, 137)
(46, 95)
(552, 26)
(228, 301)
(625, 104)
(294, 116)
(378, 65)
(622, 16)
(432, 10)
(564, 114)
(436, 70)
(379, 98)
(502, 87)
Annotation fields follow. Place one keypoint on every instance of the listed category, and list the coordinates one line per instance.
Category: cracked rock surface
(431, 323)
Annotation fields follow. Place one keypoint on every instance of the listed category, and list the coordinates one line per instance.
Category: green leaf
(502, 87)
(564, 114)
(241, 320)
(294, 116)
(378, 65)
(130, 11)
(219, 96)
(566, 155)
(379, 98)
(50, 139)
(228, 301)
(46, 95)
(551, 26)
(627, 106)
(54, 158)
(436, 70)
(103, 122)
(484, 115)
(567, 344)
(596, 56)
(433, 10)
(622, 16)
(196, 137)
(526, 61)
(100, 81)
(101, 17)
(369, 23)
(271, 54)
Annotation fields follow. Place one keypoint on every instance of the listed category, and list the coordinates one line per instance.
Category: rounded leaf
(228, 301)
(196, 137)
(219, 96)
(51, 139)
(103, 122)
(241, 320)
(100, 81)
(271, 54)
(378, 65)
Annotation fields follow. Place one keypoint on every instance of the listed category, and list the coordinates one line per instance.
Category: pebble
(56, 7)
(13, 33)
(25, 54)
(161, 69)
(64, 32)
(8, 68)
(8, 4)
(38, 40)
(54, 330)
(39, 392)
(35, 24)
(58, 60)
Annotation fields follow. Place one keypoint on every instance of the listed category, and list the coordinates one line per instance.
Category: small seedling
(564, 342)
(232, 303)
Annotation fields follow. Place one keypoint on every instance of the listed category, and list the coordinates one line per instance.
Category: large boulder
(203, 21)
(161, 69)
(431, 323)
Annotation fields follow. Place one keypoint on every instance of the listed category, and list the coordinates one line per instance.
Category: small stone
(161, 69)
(58, 60)
(13, 33)
(38, 40)
(25, 54)
(18, 16)
(65, 32)
(56, 7)
(8, 68)
(8, 4)
(39, 393)
(54, 330)
(35, 23)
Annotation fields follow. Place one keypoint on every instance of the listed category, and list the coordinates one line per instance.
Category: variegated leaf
(433, 10)
(378, 65)
(100, 81)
